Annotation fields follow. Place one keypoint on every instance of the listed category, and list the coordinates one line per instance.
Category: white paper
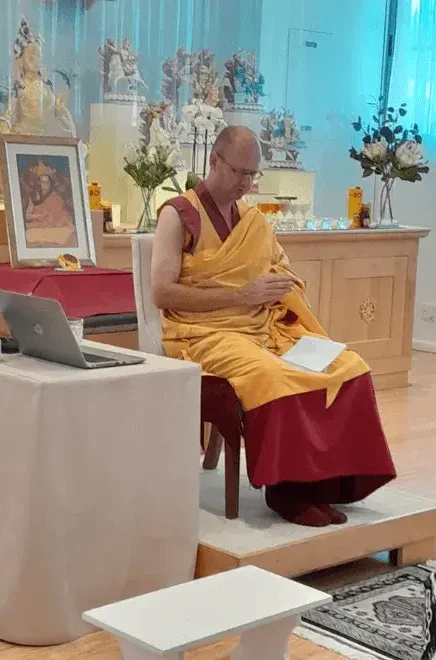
(313, 353)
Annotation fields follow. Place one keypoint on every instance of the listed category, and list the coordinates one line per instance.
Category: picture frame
(46, 200)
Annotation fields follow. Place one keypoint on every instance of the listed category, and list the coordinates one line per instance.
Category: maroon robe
(326, 455)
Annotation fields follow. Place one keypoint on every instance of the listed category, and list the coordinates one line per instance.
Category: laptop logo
(38, 329)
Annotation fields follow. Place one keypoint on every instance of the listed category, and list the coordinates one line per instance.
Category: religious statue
(119, 63)
(243, 84)
(176, 71)
(32, 107)
(280, 140)
(204, 78)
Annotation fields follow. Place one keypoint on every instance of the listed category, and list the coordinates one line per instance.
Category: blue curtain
(156, 28)
(413, 77)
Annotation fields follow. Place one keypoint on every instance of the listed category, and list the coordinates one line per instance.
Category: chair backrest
(149, 320)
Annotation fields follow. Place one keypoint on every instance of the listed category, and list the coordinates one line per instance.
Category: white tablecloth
(98, 489)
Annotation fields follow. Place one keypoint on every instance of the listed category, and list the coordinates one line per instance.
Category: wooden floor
(409, 418)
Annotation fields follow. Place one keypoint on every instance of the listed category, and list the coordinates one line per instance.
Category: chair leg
(213, 450)
(232, 476)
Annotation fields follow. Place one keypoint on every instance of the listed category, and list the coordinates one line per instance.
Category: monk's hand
(267, 289)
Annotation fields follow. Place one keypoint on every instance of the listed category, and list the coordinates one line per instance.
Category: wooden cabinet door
(368, 299)
(310, 273)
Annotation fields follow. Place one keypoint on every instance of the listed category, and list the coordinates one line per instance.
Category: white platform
(390, 518)
(190, 615)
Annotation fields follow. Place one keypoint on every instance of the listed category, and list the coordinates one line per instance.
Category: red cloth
(89, 293)
(335, 455)
(341, 450)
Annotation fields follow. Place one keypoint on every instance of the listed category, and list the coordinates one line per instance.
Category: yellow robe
(244, 344)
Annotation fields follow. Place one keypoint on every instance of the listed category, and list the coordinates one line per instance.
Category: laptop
(42, 331)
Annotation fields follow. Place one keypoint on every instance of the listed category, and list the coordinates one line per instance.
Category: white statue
(119, 63)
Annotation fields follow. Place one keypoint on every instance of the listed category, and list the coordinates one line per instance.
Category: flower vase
(146, 223)
(383, 210)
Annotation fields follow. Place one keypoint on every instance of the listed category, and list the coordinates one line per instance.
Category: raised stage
(391, 519)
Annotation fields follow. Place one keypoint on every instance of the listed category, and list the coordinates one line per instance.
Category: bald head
(234, 162)
(237, 139)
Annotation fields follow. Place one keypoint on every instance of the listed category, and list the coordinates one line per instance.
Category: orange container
(269, 207)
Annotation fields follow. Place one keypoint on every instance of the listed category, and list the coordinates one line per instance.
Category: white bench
(261, 607)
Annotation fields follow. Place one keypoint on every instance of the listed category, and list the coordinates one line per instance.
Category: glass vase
(147, 222)
(383, 210)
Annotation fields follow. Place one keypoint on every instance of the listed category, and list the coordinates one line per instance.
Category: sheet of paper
(313, 353)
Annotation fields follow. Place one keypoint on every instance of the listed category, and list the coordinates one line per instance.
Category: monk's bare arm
(165, 273)
(168, 293)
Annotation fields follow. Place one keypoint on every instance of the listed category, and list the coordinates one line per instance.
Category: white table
(261, 607)
(98, 489)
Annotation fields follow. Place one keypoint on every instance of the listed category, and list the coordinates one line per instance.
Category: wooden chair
(220, 406)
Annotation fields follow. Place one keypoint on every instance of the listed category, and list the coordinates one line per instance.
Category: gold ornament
(367, 309)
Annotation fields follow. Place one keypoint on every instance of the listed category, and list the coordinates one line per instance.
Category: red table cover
(87, 293)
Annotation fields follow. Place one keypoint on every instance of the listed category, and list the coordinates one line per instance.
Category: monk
(231, 302)
(49, 222)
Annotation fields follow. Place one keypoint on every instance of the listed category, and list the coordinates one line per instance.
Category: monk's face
(45, 184)
(236, 169)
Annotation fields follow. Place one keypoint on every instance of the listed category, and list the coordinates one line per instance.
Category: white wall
(415, 204)
(327, 87)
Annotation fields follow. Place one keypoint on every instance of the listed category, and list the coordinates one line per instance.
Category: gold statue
(33, 108)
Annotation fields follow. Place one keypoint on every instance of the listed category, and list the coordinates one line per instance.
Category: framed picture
(46, 200)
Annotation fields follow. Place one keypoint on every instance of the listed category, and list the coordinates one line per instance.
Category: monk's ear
(213, 160)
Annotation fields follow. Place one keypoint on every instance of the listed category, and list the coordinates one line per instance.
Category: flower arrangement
(390, 151)
(149, 167)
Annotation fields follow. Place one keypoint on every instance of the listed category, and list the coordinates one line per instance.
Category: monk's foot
(297, 512)
(336, 517)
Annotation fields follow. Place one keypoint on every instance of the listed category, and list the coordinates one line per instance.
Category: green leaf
(398, 129)
(376, 119)
(407, 174)
(388, 134)
(366, 172)
(391, 109)
(192, 180)
(424, 169)
(357, 125)
(402, 112)
(168, 189)
(418, 138)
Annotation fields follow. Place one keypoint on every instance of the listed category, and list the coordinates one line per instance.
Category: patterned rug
(391, 616)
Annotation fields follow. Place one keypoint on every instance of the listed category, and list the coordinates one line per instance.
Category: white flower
(409, 154)
(131, 155)
(203, 124)
(189, 112)
(376, 151)
(173, 158)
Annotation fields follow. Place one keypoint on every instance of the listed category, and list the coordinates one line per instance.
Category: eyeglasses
(255, 176)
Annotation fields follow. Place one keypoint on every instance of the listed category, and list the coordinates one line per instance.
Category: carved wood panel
(310, 273)
(368, 304)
